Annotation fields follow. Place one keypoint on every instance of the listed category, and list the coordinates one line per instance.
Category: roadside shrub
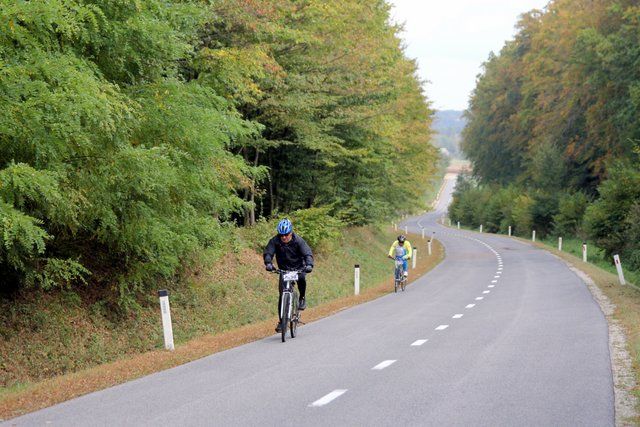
(315, 225)
(571, 209)
(522, 215)
(612, 219)
(544, 207)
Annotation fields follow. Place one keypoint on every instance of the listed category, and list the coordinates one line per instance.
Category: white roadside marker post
(414, 258)
(509, 231)
(166, 319)
(481, 228)
(584, 252)
(406, 229)
(616, 260)
(429, 246)
(356, 279)
(395, 227)
(458, 225)
(423, 234)
(533, 236)
(449, 222)
(560, 244)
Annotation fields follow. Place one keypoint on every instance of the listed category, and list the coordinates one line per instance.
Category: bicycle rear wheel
(284, 322)
(403, 284)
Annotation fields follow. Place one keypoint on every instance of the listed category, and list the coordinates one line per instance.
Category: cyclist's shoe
(406, 274)
(302, 304)
(278, 327)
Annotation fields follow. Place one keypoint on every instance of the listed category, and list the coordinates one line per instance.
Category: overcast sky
(452, 38)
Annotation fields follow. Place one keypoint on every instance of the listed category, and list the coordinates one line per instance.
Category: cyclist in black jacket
(292, 253)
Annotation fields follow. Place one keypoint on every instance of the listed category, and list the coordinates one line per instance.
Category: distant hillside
(449, 124)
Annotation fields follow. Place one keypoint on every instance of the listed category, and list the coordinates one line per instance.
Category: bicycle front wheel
(284, 322)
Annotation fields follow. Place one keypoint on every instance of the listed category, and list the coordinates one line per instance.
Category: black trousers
(302, 288)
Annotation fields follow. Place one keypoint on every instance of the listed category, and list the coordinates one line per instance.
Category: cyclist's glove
(308, 269)
(406, 257)
(268, 267)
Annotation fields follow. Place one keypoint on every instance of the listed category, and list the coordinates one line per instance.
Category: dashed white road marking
(499, 268)
(486, 292)
(328, 398)
(380, 366)
(442, 327)
(457, 316)
(479, 298)
(470, 305)
(494, 281)
(491, 286)
(418, 343)
(496, 277)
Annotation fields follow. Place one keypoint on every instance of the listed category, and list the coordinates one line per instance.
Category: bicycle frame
(399, 270)
(398, 274)
(287, 288)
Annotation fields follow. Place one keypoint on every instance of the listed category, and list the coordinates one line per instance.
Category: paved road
(500, 333)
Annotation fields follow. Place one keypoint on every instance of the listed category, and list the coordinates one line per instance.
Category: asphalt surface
(532, 351)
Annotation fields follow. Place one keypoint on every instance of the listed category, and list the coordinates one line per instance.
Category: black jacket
(290, 256)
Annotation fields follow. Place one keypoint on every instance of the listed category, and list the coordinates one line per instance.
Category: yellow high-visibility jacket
(406, 246)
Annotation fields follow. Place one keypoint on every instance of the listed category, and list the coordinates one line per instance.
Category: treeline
(134, 134)
(554, 128)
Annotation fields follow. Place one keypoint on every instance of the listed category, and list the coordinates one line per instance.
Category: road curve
(500, 333)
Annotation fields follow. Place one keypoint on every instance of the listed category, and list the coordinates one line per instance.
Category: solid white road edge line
(328, 398)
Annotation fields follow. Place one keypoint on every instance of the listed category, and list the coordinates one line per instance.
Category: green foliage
(111, 160)
(611, 220)
(555, 115)
(346, 124)
(560, 100)
(316, 225)
(132, 131)
(571, 209)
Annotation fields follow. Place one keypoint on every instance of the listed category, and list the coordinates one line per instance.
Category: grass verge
(324, 300)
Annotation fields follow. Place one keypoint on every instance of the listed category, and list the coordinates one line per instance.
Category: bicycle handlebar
(277, 270)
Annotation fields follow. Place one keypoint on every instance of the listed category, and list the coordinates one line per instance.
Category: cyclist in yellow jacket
(401, 249)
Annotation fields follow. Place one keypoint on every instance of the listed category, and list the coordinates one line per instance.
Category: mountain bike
(399, 279)
(289, 313)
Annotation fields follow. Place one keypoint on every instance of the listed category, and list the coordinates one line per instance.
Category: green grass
(595, 256)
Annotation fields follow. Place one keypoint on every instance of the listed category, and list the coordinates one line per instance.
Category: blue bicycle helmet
(284, 227)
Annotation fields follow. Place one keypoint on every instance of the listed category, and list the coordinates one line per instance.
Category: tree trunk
(252, 216)
(271, 196)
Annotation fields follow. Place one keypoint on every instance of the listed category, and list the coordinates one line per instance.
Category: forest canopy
(133, 133)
